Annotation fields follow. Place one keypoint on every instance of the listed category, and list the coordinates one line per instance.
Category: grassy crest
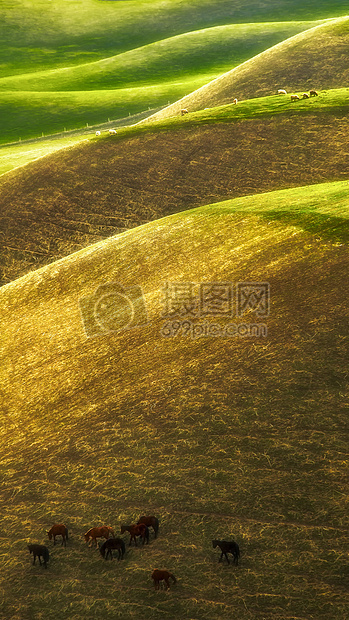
(219, 437)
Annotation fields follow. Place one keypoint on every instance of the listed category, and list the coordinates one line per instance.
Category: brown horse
(98, 532)
(58, 529)
(162, 575)
(150, 522)
(136, 530)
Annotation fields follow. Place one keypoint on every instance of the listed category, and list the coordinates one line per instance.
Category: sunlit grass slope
(70, 199)
(204, 52)
(316, 59)
(219, 436)
(36, 34)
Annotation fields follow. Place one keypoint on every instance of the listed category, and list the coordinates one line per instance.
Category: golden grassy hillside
(237, 436)
(316, 59)
(80, 195)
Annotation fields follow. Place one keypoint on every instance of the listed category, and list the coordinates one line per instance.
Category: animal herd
(281, 91)
(112, 542)
(112, 132)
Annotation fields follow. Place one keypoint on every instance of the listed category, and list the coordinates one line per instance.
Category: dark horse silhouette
(109, 545)
(227, 546)
(162, 575)
(58, 529)
(150, 521)
(39, 551)
(136, 530)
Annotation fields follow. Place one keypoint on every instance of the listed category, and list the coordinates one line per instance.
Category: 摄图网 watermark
(187, 303)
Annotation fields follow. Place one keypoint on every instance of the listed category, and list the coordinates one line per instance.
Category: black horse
(109, 545)
(150, 521)
(39, 551)
(227, 546)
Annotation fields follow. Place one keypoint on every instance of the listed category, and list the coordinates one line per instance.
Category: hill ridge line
(141, 47)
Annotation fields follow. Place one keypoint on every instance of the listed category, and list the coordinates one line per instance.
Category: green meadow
(36, 34)
(207, 52)
(65, 64)
(129, 83)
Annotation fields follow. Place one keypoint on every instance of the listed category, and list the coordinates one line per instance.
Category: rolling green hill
(37, 35)
(74, 197)
(316, 59)
(205, 52)
(46, 102)
(64, 65)
(219, 436)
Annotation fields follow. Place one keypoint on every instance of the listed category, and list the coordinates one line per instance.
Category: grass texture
(218, 437)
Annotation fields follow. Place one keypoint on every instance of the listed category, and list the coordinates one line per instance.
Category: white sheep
(294, 98)
(282, 91)
(98, 133)
(235, 101)
(112, 132)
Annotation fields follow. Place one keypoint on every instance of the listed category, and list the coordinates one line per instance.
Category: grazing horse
(98, 532)
(227, 546)
(162, 575)
(150, 522)
(58, 529)
(136, 530)
(39, 551)
(109, 545)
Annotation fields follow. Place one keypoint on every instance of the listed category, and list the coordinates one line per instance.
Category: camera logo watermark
(187, 303)
(113, 308)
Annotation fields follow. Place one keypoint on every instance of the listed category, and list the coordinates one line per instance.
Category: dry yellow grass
(75, 197)
(219, 437)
